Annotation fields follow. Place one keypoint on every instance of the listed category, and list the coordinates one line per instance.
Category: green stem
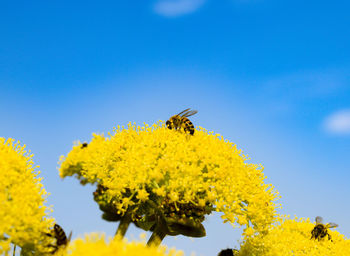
(14, 250)
(161, 229)
(157, 236)
(123, 225)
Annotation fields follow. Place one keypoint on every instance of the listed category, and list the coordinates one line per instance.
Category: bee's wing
(69, 237)
(189, 113)
(319, 220)
(331, 225)
(183, 111)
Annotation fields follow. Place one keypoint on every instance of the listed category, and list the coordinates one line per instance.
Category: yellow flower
(248, 231)
(142, 195)
(159, 191)
(96, 245)
(173, 196)
(23, 215)
(292, 237)
(241, 220)
(183, 174)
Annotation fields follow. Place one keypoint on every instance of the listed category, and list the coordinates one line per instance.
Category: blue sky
(271, 76)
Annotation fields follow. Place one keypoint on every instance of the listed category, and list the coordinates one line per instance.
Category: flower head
(293, 237)
(96, 245)
(185, 176)
(23, 215)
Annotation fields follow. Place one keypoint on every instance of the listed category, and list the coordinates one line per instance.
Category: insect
(321, 230)
(61, 238)
(228, 252)
(180, 120)
(84, 145)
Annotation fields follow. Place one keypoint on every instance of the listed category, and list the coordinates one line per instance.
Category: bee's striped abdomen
(188, 125)
(60, 235)
(319, 231)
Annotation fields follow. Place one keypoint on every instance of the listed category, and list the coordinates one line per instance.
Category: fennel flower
(23, 215)
(293, 237)
(184, 177)
(96, 245)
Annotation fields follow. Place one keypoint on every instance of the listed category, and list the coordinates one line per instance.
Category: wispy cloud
(288, 93)
(315, 84)
(174, 8)
(338, 122)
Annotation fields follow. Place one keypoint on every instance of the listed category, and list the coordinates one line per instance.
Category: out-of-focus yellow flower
(183, 172)
(23, 215)
(142, 195)
(96, 245)
(291, 237)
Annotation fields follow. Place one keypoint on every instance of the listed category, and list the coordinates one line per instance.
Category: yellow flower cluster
(23, 215)
(178, 171)
(293, 237)
(96, 245)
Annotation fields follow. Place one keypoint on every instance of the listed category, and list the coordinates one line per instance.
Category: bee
(61, 238)
(84, 145)
(228, 252)
(321, 230)
(180, 121)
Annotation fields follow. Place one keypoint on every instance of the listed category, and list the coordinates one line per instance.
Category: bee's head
(56, 227)
(168, 124)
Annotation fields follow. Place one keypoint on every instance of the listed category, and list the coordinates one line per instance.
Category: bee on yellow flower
(181, 121)
(180, 177)
(289, 237)
(321, 230)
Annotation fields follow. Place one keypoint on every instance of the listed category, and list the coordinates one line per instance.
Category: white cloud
(338, 122)
(173, 8)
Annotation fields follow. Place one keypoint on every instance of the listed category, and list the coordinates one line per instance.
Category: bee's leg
(55, 248)
(329, 237)
(185, 129)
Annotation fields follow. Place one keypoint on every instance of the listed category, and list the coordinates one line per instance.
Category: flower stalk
(123, 225)
(157, 236)
(159, 232)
